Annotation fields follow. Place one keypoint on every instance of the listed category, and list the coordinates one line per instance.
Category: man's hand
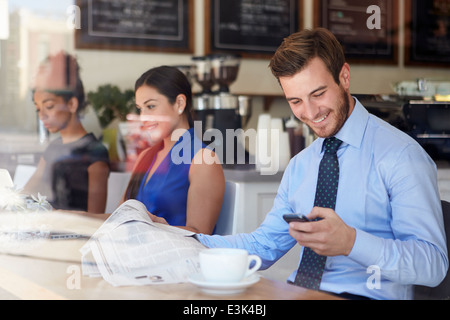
(327, 237)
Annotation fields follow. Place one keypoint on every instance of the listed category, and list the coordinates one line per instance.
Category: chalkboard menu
(367, 29)
(248, 27)
(427, 32)
(138, 25)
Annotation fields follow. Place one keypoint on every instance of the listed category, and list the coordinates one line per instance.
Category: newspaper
(130, 249)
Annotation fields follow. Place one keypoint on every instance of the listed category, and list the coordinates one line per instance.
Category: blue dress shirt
(387, 191)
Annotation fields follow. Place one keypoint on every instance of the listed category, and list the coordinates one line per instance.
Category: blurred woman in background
(73, 171)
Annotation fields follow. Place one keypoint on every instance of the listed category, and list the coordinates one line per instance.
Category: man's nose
(309, 111)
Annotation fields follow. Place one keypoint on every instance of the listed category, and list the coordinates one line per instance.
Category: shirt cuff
(213, 241)
(198, 237)
(366, 249)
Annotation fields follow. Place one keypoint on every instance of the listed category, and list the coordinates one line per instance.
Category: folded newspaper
(130, 249)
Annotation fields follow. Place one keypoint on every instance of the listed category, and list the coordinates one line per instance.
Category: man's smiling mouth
(321, 119)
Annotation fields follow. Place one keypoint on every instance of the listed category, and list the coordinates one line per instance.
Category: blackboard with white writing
(427, 32)
(367, 29)
(157, 25)
(250, 27)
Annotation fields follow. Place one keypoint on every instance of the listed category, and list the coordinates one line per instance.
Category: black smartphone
(295, 218)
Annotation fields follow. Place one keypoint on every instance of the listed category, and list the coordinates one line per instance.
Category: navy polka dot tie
(309, 273)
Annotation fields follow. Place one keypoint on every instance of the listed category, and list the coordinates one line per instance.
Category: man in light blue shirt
(386, 232)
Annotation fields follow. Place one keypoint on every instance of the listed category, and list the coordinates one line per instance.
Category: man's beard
(342, 113)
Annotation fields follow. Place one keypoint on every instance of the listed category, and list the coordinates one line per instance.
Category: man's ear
(344, 76)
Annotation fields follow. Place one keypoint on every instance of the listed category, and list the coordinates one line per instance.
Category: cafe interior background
(386, 82)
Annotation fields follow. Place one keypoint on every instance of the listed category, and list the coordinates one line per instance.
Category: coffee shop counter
(254, 196)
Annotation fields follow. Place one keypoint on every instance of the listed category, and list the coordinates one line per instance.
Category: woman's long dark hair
(170, 82)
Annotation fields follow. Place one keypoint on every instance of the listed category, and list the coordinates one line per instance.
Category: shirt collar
(354, 127)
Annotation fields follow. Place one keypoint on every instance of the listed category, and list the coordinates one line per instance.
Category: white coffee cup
(227, 265)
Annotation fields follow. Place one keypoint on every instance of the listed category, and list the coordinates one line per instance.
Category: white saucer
(222, 288)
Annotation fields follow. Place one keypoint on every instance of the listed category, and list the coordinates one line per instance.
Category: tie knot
(332, 144)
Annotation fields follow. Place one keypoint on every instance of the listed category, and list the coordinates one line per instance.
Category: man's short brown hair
(299, 48)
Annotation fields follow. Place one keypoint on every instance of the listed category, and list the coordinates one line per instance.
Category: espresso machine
(219, 109)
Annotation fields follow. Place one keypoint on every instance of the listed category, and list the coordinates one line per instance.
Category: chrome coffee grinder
(219, 109)
(203, 100)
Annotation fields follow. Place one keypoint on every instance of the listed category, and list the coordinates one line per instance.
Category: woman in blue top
(180, 181)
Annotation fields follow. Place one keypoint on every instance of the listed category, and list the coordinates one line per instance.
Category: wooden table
(52, 271)
(44, 279)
